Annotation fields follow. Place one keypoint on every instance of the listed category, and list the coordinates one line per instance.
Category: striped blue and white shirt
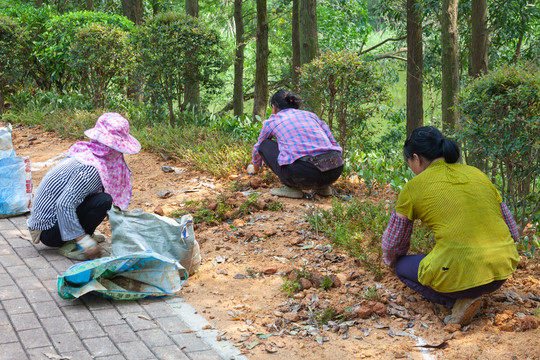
(59, 194)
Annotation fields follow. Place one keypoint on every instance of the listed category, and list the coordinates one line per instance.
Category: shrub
(11, 38)
(100, 53)
(344, 86)
(169, 45)
(500, 124)
(53, 51)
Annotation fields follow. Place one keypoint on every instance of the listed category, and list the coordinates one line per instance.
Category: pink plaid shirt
(397, 236)
(298, 133)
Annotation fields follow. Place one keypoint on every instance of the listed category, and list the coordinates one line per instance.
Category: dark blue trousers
(407, 272)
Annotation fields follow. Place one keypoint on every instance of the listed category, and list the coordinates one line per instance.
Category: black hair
(284, 99)
(430, 143)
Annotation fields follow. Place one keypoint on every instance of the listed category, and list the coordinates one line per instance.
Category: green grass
(215, 152)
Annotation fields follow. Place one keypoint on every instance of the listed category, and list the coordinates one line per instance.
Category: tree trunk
(38, 3)
(479, 38)
(192, 95)
(295, 42)
(450, 64)
(309, 42)
(261, 63)
(133, 10)
(89, 5)
(415, 104)
(238, 93)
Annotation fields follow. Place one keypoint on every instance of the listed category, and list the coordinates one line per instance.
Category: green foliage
(344, 86)
(378, 169)
(529, 244)
(500, 125)
(290, 287)
(327, 283)
(54, 50)
(370, 294)
(11, 60)
(350, 32)
(99, 54)
(175, 48)
(325, 316)
(357, 227)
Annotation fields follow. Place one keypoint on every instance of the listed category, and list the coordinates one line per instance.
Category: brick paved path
(35, 323)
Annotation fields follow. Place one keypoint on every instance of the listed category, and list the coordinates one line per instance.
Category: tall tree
(309, 41)
(192, 95)
(261, 63)
(295, 41)
(133, 10)
(479, 38)
(238, 92)
(415, 105)
(450, 64)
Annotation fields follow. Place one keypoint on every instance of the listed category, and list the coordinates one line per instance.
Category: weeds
(327, 283)
(325, 316)
(370, 294)
(358, 226)
(290, 287)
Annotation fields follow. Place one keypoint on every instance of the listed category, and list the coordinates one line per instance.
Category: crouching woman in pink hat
(73, 198)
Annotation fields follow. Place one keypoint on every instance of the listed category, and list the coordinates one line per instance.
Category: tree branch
(382, 43)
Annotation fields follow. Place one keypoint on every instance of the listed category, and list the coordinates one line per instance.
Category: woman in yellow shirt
(474, 250)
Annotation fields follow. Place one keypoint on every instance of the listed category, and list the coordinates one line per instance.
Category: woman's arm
(396, 238)
(510, 222)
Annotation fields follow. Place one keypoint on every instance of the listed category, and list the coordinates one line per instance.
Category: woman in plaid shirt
(474, 231)
(304, 154)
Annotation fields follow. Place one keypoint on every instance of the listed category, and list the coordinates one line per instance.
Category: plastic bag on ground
(129, 277)
(133, 231)
(15, 186)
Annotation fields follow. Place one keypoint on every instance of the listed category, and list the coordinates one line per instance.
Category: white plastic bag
(15, 186)
(134, 231)
(6, 144)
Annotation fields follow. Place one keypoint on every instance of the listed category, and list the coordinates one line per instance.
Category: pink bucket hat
(112, 130)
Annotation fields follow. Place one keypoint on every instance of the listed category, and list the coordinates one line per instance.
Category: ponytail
(430, 143)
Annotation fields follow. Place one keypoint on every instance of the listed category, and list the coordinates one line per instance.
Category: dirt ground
(239, 286)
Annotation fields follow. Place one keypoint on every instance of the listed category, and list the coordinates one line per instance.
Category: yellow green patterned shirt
(462, 208)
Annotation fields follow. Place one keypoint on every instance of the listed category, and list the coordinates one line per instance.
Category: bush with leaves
(345, 86)
(54, 50)
(33, 22)
(500, 123)
(11, 59)
(99, 54)
(169, 45)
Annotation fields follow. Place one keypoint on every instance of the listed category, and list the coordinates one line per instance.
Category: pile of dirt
(278, 289)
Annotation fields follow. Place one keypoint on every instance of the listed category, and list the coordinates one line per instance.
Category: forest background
(194, 79)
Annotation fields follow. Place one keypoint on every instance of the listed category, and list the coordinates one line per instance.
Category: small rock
(255, 183)
(158, 210)
(270, 270)
(237, 223)
(352, 275)
(305, 283)
(363, 312)
(335, 280)
(528, 323)
(260, 204)
(165, 194)
(291, 317)
(239, 276)
(278, 313)
(32, 138)
(167, 169)
(379, 308)
(450, 328)
(212, 206)
(234, 177)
